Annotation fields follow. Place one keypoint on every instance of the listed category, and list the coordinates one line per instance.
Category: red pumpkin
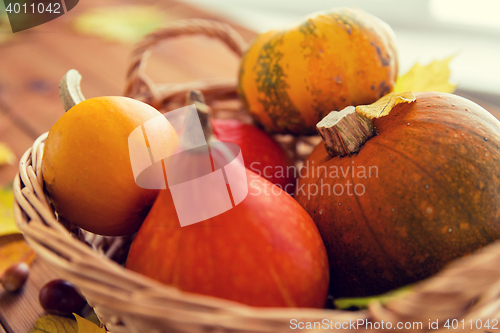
(421, 193)
(266, 251)
(261, 153)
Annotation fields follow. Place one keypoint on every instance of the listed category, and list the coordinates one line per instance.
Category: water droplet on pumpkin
(408, 124)
(485, 139)
(426, 186)
(320, 211)
(429, 210)
(340, 204)
(455, 136)
(486, 154)
(428, 105)
(390, 155)
(450, 230)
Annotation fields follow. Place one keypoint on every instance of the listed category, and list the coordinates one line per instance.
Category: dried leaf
(432, 77)
(55, 324)
(14, 252)
(7, 224)
(384, 105)
(126, 24)
(6, 155)
(86, 326)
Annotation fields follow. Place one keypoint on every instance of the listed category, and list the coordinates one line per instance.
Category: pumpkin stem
(204, 112)
(344, 132)
(69, 89)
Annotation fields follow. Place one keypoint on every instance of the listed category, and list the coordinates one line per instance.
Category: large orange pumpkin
(266, 251)
(87, 169)
(422, 192)
(291, 78)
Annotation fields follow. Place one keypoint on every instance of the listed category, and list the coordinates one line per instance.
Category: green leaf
(432, 77)
(54, 324)
(362, 302)
(7, 224)
(6, 155)
(86, 326)
(126, 24)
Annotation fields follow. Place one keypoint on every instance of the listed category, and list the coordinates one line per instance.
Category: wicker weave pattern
(128, 302)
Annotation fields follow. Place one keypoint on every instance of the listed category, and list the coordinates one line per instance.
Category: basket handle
(140, 86)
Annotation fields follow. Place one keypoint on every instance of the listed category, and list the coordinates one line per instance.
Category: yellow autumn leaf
(6, 155)
(7, 224)
(14, 252)
(126, 24)
(86, 326)
(432, 77)
(385, 104)
(54, 324)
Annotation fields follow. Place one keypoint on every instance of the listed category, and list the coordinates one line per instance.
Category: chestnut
(61, 297)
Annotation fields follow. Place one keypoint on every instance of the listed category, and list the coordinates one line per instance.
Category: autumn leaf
(385, 104)
(14, 252)
(432, 77)
(55, 324)
(126, 24)
(6, 155)
(7, 224)
(86, 326)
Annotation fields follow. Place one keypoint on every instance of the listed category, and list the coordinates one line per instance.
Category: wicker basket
(125, 301)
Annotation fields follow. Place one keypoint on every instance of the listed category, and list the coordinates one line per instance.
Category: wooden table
(32, 64)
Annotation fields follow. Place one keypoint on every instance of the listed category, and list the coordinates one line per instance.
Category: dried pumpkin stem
(345, 132)
(69, 89)
(204, 112)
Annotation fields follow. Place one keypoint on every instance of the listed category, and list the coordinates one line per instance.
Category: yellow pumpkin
(87, 169)
(291, 78)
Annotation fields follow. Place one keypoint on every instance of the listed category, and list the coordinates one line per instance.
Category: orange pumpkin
(86, 165)
(291, 78)
(422, 192)
(266, 251)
